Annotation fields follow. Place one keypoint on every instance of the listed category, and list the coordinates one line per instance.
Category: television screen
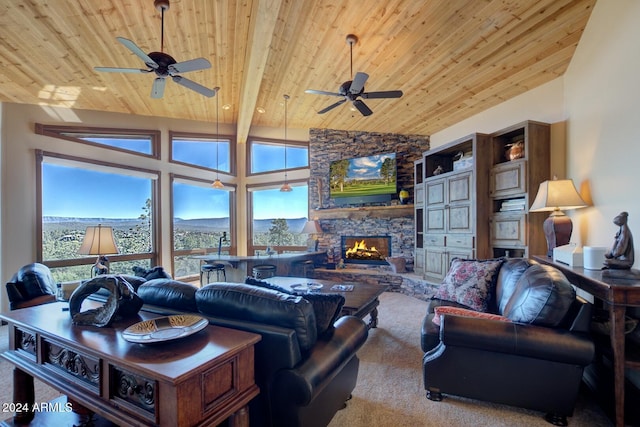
(363, 179)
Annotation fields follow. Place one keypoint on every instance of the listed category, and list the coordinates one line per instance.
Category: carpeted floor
(389, 390)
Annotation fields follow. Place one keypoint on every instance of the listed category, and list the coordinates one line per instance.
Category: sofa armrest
(303, 383)
(516, 338)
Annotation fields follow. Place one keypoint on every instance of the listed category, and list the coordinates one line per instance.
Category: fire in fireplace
(366, 249)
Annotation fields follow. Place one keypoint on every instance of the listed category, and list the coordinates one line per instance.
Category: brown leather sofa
(534, 358)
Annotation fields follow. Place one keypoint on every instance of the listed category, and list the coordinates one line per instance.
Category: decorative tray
(306, 287)
(164, 328)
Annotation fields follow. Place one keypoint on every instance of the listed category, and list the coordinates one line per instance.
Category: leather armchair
(536, 365)
(32, 285)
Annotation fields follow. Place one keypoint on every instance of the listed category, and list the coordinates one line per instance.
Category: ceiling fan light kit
(163, 64)
(353, 89)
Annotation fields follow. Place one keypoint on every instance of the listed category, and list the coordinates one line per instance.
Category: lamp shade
(557, 194)
(311, 227)
(98, 240)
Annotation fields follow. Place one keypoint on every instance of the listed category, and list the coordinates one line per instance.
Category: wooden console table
(617, 294)
(202, 379)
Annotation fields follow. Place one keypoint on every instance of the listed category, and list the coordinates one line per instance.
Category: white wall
(598, 99)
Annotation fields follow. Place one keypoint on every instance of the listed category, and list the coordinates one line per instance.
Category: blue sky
(367, 167)
(76, 192)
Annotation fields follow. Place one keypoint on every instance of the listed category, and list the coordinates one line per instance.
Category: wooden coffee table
(201, 379)
(360, 301)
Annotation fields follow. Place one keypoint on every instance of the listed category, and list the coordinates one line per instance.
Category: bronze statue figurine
(621, 255)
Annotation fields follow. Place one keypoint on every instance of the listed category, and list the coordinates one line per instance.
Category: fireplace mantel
(381, 212)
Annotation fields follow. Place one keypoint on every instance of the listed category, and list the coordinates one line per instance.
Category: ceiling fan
(163, 64)
(353, 89)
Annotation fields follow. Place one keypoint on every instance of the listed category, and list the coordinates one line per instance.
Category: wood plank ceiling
(452, 59)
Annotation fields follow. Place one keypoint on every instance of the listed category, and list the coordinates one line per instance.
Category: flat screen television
(369, 179)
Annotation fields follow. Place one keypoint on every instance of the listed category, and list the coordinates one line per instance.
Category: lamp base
(557, 229)
(100, 267)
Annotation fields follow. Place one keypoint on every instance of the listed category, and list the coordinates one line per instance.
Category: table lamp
(313, 228)
(555, 196)
(99, 240)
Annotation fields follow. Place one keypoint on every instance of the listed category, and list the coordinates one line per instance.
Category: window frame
(233, 248)
(59, 131)
(254, 140)
(153, 256)
(186, 135)
(251, 248)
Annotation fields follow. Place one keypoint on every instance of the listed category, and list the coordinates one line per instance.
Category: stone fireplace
(365, 249)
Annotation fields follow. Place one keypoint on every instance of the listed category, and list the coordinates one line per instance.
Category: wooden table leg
(23, 396)
(617, 317)
(240, 418)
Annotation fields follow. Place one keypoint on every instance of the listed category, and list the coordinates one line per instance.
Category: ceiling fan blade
(358, 82)
(157, 90)
(383, 94)
(190, 65)
(195, 86)
(120, 70)
(322, 92)
(139, 52)
(362, 107)
(332, 106)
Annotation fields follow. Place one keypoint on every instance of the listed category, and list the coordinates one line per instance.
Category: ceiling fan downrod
(161, 5)
(351, 40)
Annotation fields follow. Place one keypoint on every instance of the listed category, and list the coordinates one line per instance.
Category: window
(269, 156)
(75, 193)
(204, 151)
(201, 218)
(277, 218)
(133, 141)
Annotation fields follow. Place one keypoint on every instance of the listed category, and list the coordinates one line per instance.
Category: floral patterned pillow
(470, 282)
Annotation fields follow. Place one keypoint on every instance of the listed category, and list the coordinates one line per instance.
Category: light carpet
(390, 390)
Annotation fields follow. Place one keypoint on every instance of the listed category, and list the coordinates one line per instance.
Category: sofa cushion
(543, 296)
(510, 272)
(169, 293)
(327, 307)
(470, 282)
(261, 305)
(457, 311)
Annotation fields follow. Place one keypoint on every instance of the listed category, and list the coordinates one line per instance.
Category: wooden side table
(617, 294)
(202, 379)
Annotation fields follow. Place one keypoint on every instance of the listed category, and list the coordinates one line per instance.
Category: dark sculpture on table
(621, 255)
(122, 301)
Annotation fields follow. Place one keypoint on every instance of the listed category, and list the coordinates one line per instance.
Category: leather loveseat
(306, 371)
(528, 349)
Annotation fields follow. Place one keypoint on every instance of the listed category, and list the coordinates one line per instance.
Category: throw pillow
(327, 308)
(457, 311)
(150, 274)
(470, 282)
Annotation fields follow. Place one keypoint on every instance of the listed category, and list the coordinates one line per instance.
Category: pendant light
(217, 183)
(285, 187)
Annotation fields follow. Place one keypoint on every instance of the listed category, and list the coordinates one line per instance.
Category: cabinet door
(509, 230)
(435, 192)
(435, 263)
(508, 179)
(459, 188)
